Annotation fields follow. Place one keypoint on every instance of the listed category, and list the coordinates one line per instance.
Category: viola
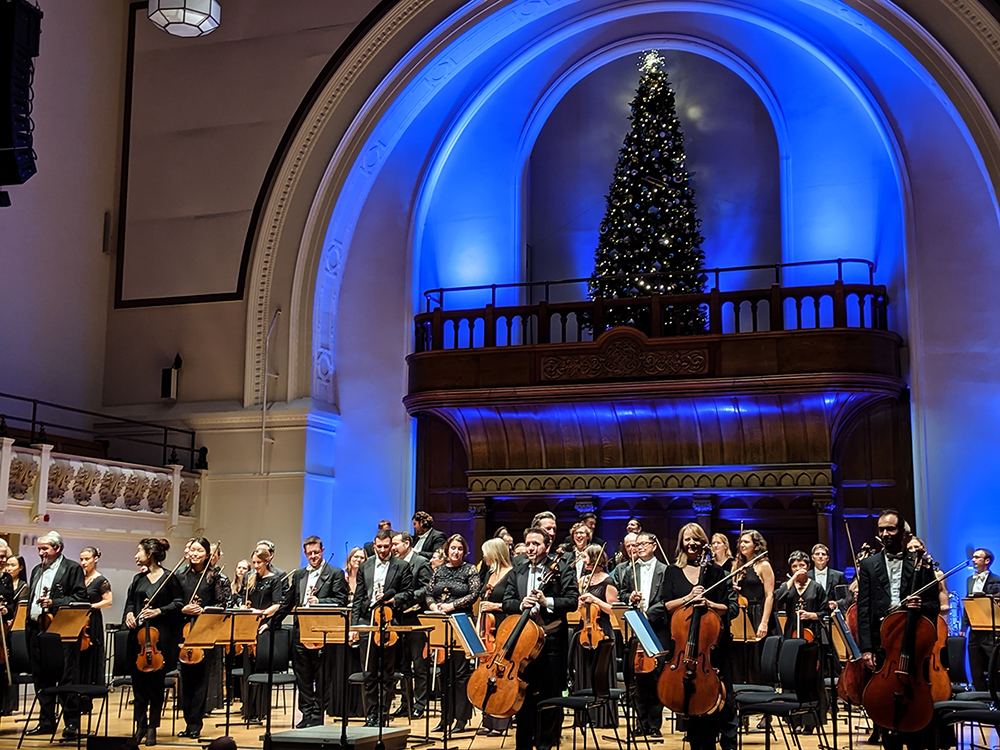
(899, 695)
(497, 685)
(45, 618)
(382, 616)
(591, 632)
(150, 658)
(800, 632)
(189, 654)
(689, 684)
(643, 663)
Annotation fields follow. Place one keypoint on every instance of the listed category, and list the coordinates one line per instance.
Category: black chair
(798, 670)
(51, 668)
(974, 712)
(275, 664)
(120, 672)
(601, 694)
(20, 662)
(768, 668)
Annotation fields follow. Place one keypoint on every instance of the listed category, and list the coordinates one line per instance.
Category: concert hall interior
(214, 312)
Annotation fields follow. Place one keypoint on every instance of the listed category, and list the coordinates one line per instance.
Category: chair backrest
(20, 661)
(119, 654)
(601, 677)
(52, 664)
(954, 649)
(787, 663)
(282, 651)
(992, 678)
(769, 659)
(798, 668)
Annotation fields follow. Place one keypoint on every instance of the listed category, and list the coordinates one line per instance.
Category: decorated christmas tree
(649, 239)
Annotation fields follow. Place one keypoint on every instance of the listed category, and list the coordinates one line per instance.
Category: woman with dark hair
(347, 658)
(19, 576)
(99, 594)
(755, 585)
(203, 587)
(264, 592)
(154, 598)
(454, 587)
(7, 599)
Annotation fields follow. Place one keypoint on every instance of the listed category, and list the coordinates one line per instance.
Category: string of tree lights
(649, 240)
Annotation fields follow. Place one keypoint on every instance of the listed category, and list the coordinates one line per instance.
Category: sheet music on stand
(640, 626)
(465, 630)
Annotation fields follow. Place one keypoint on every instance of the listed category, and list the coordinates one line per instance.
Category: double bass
(689, 684)
(497, 686)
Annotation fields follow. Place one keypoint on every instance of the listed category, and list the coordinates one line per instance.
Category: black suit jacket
(835, 579)
(431, 542)
(415, 602)
(991, 578)
(656, 613)
(561, 590)
(398, 582)
(874, 598)
(67, 586)
(331, 588)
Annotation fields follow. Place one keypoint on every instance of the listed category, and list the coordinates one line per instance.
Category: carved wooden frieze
(23, 473)
(625, 359)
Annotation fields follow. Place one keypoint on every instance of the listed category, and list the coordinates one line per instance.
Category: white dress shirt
(979, 581)
(378, 578)
(44, 581)
(895, 579)
(312, 583)
(644, 569)
(821, 576)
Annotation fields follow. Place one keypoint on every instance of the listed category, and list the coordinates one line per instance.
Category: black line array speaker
(20, 28)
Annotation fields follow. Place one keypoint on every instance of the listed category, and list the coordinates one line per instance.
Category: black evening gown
(582, 665)
(264, 593)
(92, 663)
(747, 656)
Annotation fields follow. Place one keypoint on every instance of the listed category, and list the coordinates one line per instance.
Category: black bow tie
(891, 556)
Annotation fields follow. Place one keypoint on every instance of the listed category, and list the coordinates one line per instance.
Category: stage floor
(282, 723)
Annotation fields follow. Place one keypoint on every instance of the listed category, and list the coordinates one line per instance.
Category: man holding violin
(56, 582)
(547, 587)
(883, 582)
(412, 659)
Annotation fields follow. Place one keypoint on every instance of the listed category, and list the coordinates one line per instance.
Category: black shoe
(40, 730)
(151, 737)
(417, 713)
(653, 733)
(400, 712)
(439, 728)
(70, 732)
(371, 721)
(459, 727)
(182, 733)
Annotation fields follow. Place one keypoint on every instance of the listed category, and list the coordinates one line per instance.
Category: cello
(497, 686)
(689, 684)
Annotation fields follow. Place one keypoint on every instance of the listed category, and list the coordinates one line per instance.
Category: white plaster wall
(53, 275)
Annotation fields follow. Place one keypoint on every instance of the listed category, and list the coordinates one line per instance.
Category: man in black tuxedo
(412, 662)
(833, 582)
(884, 580)
(56, 582)
(426, 538)
(317, 583)
(645, 594)
(386, 579)
(980, 642)
(548, 601)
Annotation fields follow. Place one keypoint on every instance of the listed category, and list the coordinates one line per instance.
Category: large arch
(437, 88)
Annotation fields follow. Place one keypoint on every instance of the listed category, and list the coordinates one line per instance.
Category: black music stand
(244, 635)
(642, 635)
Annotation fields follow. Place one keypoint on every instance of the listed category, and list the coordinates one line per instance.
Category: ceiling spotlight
(185, 17)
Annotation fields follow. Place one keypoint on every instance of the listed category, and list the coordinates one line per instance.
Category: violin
(497, 685)
(591, 632)
(190, 654)
(45, 618)
(150, 658)
(689, 684)
(800, 632)
(899, 695)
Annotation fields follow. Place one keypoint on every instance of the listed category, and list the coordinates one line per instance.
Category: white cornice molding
(217, 417)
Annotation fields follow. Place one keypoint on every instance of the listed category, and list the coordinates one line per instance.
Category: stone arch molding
(303, 237)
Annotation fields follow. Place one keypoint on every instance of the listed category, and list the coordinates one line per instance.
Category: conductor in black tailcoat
(317, 583)
(884, 581)
(382, 578)
(546, 586)
(981, 643)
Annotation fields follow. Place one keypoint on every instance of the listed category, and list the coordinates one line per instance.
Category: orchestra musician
(589, 520)
(19, 576)
(883, 580)
(369, 547)
(201, 586)
(55, 582)
(264, 594)
(155, 599)
(579, 536)
(8, 609)
(266, 545)
(756, 585)
(548, 601)
(596, 588)
(623, 559)
(381, 579)
(316, 583)
(454, 587)
(426, 538)
(680, 588)
(917, 546)
(411, 660)
(496, 556)
(832, 582)
(721, 553)
(92, 666)
(237, 587)
(980, 642)
(642, 589)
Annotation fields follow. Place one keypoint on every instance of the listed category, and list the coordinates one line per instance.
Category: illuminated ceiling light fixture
(185, 17)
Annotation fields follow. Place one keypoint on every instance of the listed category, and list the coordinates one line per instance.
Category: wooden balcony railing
(778, 308)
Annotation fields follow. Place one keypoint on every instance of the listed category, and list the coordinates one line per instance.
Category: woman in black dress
(454, 587)
(496, 557)
(264, 590)
(350, 658)
(154, 598)
(683, 586)
(721, 554)
(19, 580)
(598, 588)
(756, 585)
(203, 586)
(92, 665)
(8, 605)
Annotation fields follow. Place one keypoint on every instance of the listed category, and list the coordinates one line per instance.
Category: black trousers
(980, 650)
(71, 663)
(149, 689)
(372, 678)
(647, 700)
(414, 666)
(312, 676)
(546, 678)
(455, 688)
(702, 731)
(194, 693)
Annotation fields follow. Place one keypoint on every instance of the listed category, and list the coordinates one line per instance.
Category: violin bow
(742, 567)
(937, 580)
(164, 581)
(850, 541)
(591, 574)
